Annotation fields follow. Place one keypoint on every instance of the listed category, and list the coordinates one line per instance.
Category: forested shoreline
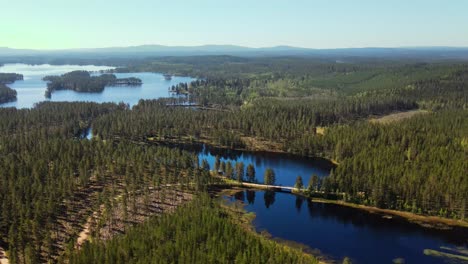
(53, 181)
(6, 93)
(82, 81)
(398, 175)
(9, 78)
(49, 176)
(197, 231)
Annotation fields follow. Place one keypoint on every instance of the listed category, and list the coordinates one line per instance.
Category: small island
(82, 81)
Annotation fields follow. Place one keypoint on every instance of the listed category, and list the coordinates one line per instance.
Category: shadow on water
(299, 202)
(250, 196)
(286, 166)
(341, 231)
(269, 198)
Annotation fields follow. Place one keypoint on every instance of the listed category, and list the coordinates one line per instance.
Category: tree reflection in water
(250, 196)
(269, 197)
(299, 202)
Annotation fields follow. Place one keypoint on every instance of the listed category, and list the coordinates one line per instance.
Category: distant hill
(430, 53)
(4, 51)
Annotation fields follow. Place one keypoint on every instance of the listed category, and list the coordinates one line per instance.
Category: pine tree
(299, 183)
(251, 173)
(269, 177)
(240, 171)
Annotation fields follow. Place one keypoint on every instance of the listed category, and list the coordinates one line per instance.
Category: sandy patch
(3, 258)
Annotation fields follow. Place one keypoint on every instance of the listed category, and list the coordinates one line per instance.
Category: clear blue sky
(55, 24)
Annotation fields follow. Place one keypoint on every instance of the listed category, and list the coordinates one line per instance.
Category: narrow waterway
(340, 231)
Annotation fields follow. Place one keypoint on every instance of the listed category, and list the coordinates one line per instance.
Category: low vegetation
(396, 117)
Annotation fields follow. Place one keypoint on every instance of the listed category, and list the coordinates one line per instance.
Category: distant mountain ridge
(233, 50)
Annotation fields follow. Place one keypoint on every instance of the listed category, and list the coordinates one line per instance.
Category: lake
(286, 167)
(31, 90)
(339, 231)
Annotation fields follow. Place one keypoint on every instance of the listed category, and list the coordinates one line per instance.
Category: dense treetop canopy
(50, 175)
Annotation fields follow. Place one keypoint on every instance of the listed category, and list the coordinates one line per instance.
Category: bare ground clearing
(396, 117)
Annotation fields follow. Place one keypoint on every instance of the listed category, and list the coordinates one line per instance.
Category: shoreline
(437, 224)
(246, 218)
(271, 149)
(426, 221)
(422, 220)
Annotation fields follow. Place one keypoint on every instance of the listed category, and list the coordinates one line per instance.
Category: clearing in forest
(395, 117)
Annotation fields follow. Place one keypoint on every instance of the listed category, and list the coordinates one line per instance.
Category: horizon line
(236, 46)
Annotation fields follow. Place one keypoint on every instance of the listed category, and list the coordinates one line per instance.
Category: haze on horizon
(55, 24)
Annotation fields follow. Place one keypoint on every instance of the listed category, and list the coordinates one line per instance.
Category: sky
(64, 24)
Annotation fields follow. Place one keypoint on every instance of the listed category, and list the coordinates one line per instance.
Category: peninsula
(6, 93)
(83, 81)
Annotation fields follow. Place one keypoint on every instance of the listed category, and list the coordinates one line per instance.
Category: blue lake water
(31, 90)
(339, 231)
(286, 167)
(335, 230)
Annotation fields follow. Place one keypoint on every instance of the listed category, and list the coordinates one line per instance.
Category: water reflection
(299, 202)
(269, 198)
(342, 231)
(286, 167)
(31, 90)
(240, 196)
(250, 196)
